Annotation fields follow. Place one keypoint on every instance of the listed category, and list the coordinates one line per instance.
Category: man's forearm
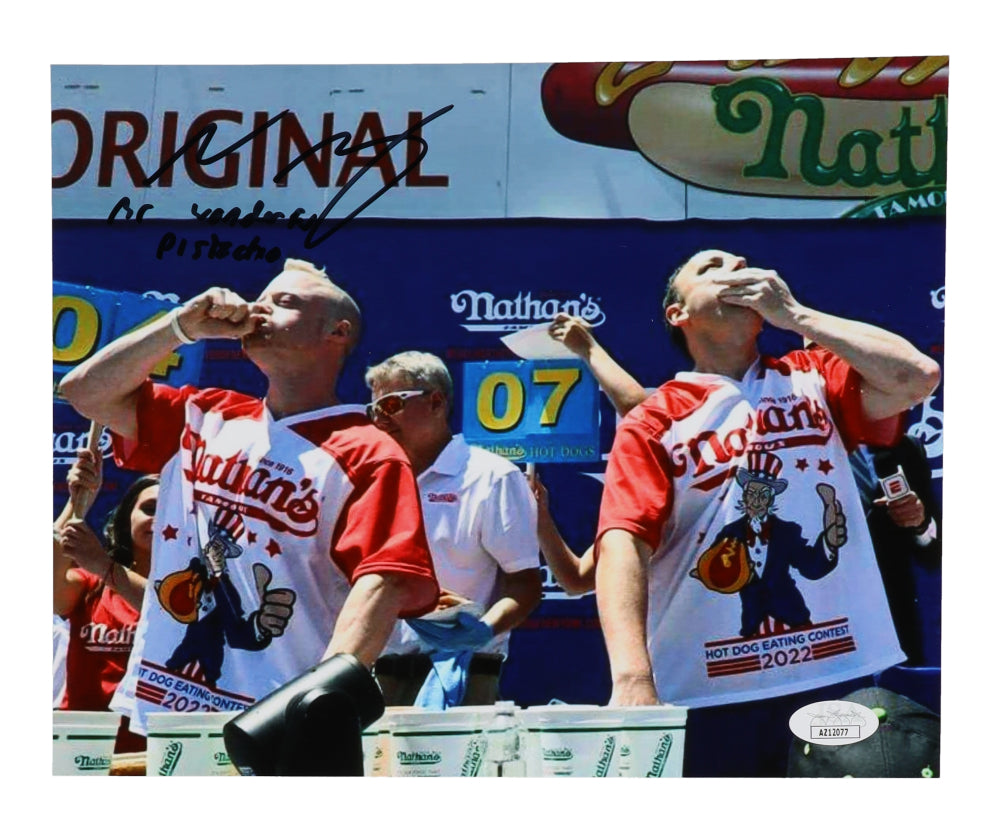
(521, 593)
(623, 390)
(622, 602)
(565, 565)
(103, 387)
(367, 618)
(888, 363)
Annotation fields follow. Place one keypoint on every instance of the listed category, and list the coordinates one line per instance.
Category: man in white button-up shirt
(480, 517)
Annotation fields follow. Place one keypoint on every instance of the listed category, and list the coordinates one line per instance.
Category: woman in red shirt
(100, 590)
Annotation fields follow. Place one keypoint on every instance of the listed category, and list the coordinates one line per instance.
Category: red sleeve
(638, 490)
(381, 530)
(843, 395)
(90, 581)
(159, 415)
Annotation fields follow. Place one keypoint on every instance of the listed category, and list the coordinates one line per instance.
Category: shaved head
(340, 306)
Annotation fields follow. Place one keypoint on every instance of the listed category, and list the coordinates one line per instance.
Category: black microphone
(312, 725)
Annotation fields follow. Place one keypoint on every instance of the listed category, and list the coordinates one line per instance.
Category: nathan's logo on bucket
(607, 757)
(485, 312)
(87, 763)
(171, 757)
(475, 753)
(660, 756)
(560, 754)
(862, 128)
(222, 759)
(418, 758)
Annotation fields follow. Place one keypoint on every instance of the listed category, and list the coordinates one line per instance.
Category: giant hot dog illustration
(858, 128)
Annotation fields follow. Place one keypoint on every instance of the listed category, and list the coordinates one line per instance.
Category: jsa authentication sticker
(833, 723)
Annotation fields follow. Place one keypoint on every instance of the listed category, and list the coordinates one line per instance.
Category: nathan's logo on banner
(485, 312)
(65, 444)
(862, 128)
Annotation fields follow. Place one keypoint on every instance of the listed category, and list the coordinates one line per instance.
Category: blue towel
(446, 682)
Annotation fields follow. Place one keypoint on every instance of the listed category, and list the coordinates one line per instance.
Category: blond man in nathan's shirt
(288, 529)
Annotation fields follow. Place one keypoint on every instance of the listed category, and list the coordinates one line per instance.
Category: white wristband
(175, 325)
(928, 535)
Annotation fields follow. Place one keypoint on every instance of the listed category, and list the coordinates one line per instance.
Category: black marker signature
(201, 140)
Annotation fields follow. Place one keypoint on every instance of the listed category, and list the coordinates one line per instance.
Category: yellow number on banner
(564, 379)
(485, 402)
(173, 360)
(86, 329)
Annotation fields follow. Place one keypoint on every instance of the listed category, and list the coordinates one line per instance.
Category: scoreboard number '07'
(563, 378)
(532, 411)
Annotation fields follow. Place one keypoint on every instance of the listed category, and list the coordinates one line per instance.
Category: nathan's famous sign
(872, 129)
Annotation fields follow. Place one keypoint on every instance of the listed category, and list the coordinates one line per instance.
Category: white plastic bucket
(187, 743)
(477, 758)
(376, 741)
(83, 742)
(438, 744)
(651, 740)
(572, 741)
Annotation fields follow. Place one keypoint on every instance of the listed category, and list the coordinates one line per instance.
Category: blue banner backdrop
(454, 287)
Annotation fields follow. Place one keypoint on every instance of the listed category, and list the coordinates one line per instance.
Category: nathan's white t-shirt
(676, 478)
(248, 505)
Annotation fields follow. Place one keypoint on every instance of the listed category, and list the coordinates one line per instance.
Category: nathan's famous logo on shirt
(778, 423)
(283, 504)
(98, 636)
(442, 497)
(485, 312)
